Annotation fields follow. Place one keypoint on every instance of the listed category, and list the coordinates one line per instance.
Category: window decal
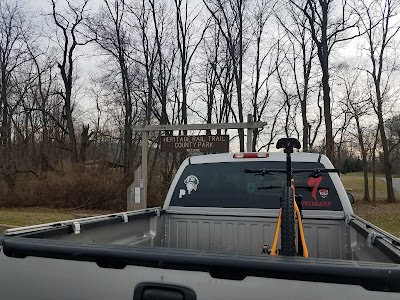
(191, 183)
(314, 182)
(324, 193)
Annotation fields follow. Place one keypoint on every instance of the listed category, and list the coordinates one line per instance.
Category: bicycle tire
(288, 234)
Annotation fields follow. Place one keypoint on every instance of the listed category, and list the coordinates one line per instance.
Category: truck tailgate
(75, 271)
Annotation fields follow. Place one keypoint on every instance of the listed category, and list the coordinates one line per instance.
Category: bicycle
(290, 209)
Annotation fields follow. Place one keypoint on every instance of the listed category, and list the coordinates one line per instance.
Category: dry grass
(384, 215)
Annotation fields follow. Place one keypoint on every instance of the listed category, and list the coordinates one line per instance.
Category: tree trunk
(374, 170)
(70, 126)
(305, 126)
(127, 135)
(373, 179)
(184, 95)
(364, 158)
(387, 165)
(303, 102)
(240, 75)
(323, 56)
(45, 162)
(4, 101)
(238, 81)
(330, 144)
(127, 104)
(85, 143)
(365, 171)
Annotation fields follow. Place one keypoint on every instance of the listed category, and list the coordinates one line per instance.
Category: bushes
(102, 189)
(157, 191)
(97, 186)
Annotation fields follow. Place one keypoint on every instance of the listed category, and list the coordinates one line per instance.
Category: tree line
(323, 71)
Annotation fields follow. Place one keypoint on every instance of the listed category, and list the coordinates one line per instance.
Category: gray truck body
(213, 251)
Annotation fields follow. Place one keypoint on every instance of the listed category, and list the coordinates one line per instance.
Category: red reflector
(251, 155)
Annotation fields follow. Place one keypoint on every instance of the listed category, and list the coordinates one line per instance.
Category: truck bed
(218, 257)
(331, 237)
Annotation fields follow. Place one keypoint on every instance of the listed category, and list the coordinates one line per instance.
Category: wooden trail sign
(195, 143)
(211, 147)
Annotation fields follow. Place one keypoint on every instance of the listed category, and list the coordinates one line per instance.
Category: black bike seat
(288, 144)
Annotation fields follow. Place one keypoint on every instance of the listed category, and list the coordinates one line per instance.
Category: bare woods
(77, 76)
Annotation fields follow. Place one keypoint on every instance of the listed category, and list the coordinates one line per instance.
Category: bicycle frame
(288, 144)
(303, 250)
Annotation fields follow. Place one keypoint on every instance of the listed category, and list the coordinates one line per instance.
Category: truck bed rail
(74, 224)
(373, 236)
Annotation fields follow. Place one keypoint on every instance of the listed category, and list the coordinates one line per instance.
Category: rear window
(227, 185)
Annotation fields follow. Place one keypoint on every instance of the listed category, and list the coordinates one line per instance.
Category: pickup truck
(206, 242)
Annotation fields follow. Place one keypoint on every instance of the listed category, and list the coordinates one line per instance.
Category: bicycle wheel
(288, 234)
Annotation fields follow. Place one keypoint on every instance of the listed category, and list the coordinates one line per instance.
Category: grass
(384, 215)
(361, 174)
(17, 217)
(32, 216)
(354, 183)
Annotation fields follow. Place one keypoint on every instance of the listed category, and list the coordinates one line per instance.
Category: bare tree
(326, 31)
(41, 94)
(165, 58)
(356, 102)
(13, 54)
(218, 78)
(267, 60)
(69, 23)
(288, 97)
(186, 29)
(229, 16)
(211, 81)
(303, 53)
(149, 53)
(111, 33)
(380, 21)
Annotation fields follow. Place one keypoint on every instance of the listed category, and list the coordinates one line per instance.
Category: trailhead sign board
(195, 143)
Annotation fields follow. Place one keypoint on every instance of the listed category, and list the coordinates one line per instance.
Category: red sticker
(324, 193)
(314, 182)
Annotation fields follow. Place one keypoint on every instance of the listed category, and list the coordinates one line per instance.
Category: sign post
(186, 143)
(143, 179)
(249, 134)
(134, 192)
